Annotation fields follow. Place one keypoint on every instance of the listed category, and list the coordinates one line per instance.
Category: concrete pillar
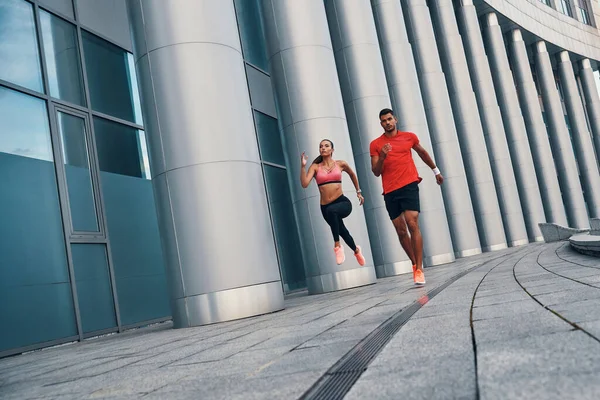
(562, 149)
(311, 108)
(582, 139)
(457, 196)
(516, 132)
(536, 132)
(220, 251)
(469, 129)
(403, 86)
(592, 101)
(365, 93)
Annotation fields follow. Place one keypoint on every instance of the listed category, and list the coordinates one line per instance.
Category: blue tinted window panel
(36, 314)
(19, 54)
(269, 139)
(61, 51)
(252, 32)
(143, 298)
(135, 247)
(94, 293)
(32, 247)
(111, 79)
(24, 125)
(286, 232)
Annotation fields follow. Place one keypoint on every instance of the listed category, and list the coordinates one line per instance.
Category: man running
(391, 158)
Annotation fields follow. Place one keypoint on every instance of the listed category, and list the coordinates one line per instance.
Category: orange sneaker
(339, 255)
(414, 270)
(419, 277)
(359, 256)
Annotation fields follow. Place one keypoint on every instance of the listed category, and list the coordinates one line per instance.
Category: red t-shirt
(399, 169)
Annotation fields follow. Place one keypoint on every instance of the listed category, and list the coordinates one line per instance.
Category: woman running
(334, 205)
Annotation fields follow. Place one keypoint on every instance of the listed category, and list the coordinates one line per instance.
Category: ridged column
(536, 132)
(440, 118)
(468, 127)
(582, 139)
(365, 93)
(514, 125)
(403, 86)
(220, 252)
(311, 108)
(562, 150)
(592, 101)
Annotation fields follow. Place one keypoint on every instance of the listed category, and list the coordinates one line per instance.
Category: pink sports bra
(323, 177)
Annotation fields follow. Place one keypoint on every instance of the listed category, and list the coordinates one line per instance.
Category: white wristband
(436, 171)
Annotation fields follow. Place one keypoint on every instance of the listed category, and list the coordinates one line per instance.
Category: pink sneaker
(339, 255)
(359, 256)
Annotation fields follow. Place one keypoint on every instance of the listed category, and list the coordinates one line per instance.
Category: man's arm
(429, 161)
(377, 160)
(424, 156)
(377, 164)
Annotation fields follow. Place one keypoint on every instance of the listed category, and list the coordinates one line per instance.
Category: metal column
(536, 132)
(592, 101)
(440, 118)
(469, 129)
(516, 132)
(562, 149)
(582, 139)
(202, 168)
(403, 86)
(364, 90)
(311, 108)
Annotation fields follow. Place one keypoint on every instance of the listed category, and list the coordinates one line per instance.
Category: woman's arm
(347, 169)
(305, 177)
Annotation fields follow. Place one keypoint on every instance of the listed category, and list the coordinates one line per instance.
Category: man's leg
(405, 240)
(412, 221)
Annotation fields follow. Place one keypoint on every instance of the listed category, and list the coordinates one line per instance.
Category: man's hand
(385, 150)
(439, 179)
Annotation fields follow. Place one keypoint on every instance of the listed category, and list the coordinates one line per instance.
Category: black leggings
(334, 213)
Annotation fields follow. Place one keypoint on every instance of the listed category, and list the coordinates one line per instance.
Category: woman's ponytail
(318, 160)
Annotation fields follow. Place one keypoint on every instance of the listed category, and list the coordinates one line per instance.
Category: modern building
(150, 149)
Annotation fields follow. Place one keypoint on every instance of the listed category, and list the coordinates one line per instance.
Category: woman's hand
(303, 159)
(361, 199)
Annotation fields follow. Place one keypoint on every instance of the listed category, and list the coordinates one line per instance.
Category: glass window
(77, 170)
(111, 79)
(62, 6)
(19, 55)
(121, 149)
(36, 305)
(24, 123)
(94, 292)
(284, 225)
(563, 7)
(62, 59)
(269, 139)
(252, 32)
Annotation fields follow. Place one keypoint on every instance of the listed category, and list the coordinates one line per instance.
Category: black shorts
(403, 199)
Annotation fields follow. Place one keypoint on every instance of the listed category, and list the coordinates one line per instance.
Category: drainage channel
(340, 378)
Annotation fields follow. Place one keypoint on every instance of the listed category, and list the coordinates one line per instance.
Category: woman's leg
(346, 235)
(333, 221)
(342, 209)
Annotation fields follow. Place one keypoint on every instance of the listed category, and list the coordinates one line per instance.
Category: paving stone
(505, 310)
(541, 322)
(568, 353)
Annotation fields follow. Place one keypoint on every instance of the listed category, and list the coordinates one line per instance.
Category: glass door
(83, 216)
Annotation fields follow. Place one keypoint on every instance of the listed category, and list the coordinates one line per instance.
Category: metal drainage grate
(340, 378)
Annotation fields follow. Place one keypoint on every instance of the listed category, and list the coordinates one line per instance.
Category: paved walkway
(518, 323)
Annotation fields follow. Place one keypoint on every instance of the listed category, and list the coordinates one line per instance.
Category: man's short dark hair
(386, 111)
